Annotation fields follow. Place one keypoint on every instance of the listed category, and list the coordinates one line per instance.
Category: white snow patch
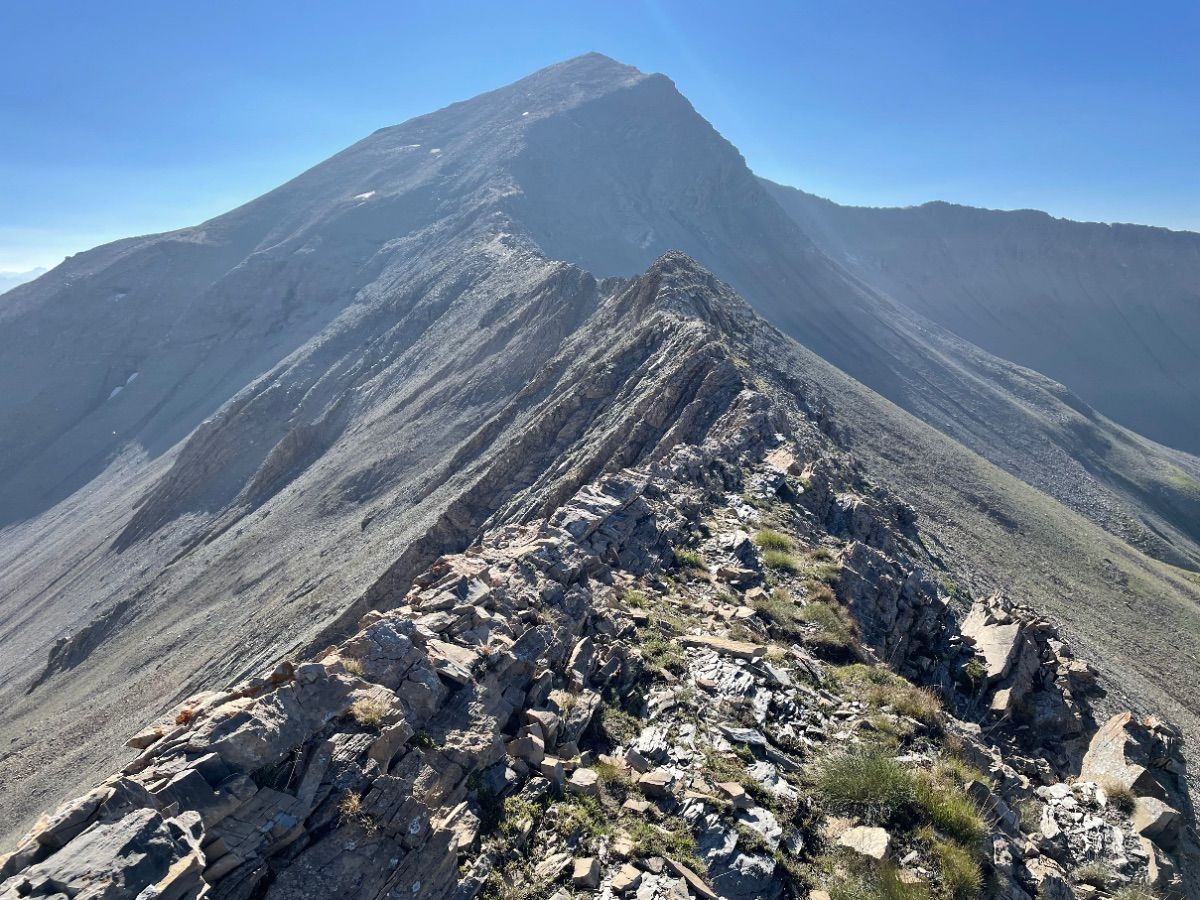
(435, 151)
(116, 390)
(130, 379)
(366, 195)
(525, 113)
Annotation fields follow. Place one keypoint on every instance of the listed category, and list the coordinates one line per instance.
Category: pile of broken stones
(568, 708)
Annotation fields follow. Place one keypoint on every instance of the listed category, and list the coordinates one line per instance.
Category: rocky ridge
(303, 403)
(727, 671)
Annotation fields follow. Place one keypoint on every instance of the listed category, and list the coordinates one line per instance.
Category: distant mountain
(9, 280)
(223, 445)
(1111, 311)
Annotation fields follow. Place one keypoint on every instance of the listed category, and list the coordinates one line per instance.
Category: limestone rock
(586, 872)
(627, 879)
(866, 840)
(584, 782)
(1156, 820)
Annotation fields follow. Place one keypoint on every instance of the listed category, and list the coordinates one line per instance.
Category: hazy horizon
(1014, 108)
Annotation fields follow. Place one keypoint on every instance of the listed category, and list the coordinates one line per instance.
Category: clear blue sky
(123, 117)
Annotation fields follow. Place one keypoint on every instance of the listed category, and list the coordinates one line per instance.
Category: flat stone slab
(725, 646)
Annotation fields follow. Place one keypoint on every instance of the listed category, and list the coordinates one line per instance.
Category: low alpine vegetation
(774, 540)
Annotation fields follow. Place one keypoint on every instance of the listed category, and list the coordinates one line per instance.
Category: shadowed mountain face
(226, 443)
(1111, 311)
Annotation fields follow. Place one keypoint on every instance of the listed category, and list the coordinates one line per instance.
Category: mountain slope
(1111, 311)
(361, 370)
(420, 755)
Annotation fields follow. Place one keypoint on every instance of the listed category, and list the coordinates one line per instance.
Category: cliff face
(670, 683)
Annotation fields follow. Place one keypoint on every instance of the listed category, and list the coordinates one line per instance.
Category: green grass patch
(874, 882)
(660, 652)
(960, 875)
(880, 688)
(833, 632)
(1095, 874)
(949, 809)
(617, 725)
(636, 599)
(669, 839)
(689, 559)
(781, 561)
(1136, 892)
(866, 784)
(783, 614)
(774, 540)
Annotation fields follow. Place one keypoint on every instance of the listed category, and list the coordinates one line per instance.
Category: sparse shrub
(781, 561)
(689, 559)
(1120, 796)
(820, 553)
(773, 540)
(370, 711)
(866, 784)
(352, 665)
(959, 872)
(422, 739)
(185, 716)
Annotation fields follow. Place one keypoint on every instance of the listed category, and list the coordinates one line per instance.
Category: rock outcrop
(633, 696)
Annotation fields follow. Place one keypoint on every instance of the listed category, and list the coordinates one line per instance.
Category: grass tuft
(370, 711)
(866, 784)
(774, 540)
(833, 631)
(689, 559)
(1120, 796)
(959, 872)
(781, 561)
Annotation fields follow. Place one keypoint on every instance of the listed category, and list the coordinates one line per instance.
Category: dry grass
(1121, 797)
(370, 711)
